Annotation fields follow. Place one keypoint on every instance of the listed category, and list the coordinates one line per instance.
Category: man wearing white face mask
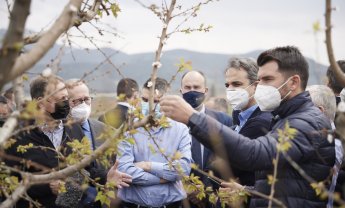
(80, 103)
(249, 120)
(283, 76)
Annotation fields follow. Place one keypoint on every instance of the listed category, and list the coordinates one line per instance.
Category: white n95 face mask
(238, 98)
(268, 97)
(81, 112)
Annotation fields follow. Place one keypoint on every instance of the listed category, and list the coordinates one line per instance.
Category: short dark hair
(161, 85)
(248, 64)
(200, 72)
(127, 87)
(290, 62)
(39, 84)
(332, 82)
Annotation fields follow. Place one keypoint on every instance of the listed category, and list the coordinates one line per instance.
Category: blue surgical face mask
(194, 98)
(145, 109)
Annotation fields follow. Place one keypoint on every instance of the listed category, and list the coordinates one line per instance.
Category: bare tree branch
(62, 24)
(159, 53)
(338, 73)
(16, 195)
(13, 40)
(8, 127)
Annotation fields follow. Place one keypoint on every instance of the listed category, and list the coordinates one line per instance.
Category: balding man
(194, 91)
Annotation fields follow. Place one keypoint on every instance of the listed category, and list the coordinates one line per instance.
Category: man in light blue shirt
(156, 177)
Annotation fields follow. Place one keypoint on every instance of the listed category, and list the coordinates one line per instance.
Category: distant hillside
(138, 66)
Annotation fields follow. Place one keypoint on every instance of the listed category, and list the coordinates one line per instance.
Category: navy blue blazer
(205, 165)
(258, 124)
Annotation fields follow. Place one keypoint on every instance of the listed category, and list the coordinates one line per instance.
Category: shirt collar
(126, 104)
(244, 115)
(45, 128)
(202, 109)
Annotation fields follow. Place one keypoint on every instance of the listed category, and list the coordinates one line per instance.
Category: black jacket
(257, 125)
(47, 158)
(309, 149)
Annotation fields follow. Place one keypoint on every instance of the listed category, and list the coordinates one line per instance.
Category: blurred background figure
(323, 97)
(217, 104)
(127, 92)
(5, 110)
(333, 83)
(11, 100)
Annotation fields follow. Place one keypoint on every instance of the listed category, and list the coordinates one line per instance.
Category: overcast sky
(238, 26)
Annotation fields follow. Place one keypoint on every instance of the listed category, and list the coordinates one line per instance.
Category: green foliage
(163, 122)
(284, 137)
(115, 9)
(31, 110)
(105, 193)
(23, 148)
(8, 143)
(317, 187)
(8, 183)
(316, 27)
(79, 150)
(182, 65)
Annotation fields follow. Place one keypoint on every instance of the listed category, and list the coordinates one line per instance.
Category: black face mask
(61, 110)
(194, 98)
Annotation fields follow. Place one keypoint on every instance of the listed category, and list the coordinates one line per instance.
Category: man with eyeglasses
(80, 103)
(151, 159)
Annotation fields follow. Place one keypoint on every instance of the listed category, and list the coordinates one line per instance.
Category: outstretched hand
(119, 178)
(176, 108)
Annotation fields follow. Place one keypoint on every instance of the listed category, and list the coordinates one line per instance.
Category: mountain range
(77, 62)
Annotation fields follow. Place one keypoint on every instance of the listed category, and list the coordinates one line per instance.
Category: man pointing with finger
(283, 76)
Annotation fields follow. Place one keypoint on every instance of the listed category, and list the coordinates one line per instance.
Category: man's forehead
(80, 89)
(192, 78)
(233, 73)
(269, 69)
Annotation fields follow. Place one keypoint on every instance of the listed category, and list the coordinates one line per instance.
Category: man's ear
(181, 91)
(40, 102)
(206, 90)
(322, 109)
(296, 82)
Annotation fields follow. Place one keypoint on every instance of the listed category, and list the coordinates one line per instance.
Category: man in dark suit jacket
(52, 136)
(127, 92)
(249, 120)
(80, 102)
(194, 90)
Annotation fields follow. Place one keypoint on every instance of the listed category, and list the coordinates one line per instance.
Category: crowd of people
(231, 152)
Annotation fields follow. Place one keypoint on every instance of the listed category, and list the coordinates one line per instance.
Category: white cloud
(239, 26)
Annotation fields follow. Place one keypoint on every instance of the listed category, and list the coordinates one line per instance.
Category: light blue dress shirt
(87, 132)
(244, 116)
(146, 189)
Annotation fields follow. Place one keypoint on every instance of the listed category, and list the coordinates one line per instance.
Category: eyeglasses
(78, 101)
(147, 100)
